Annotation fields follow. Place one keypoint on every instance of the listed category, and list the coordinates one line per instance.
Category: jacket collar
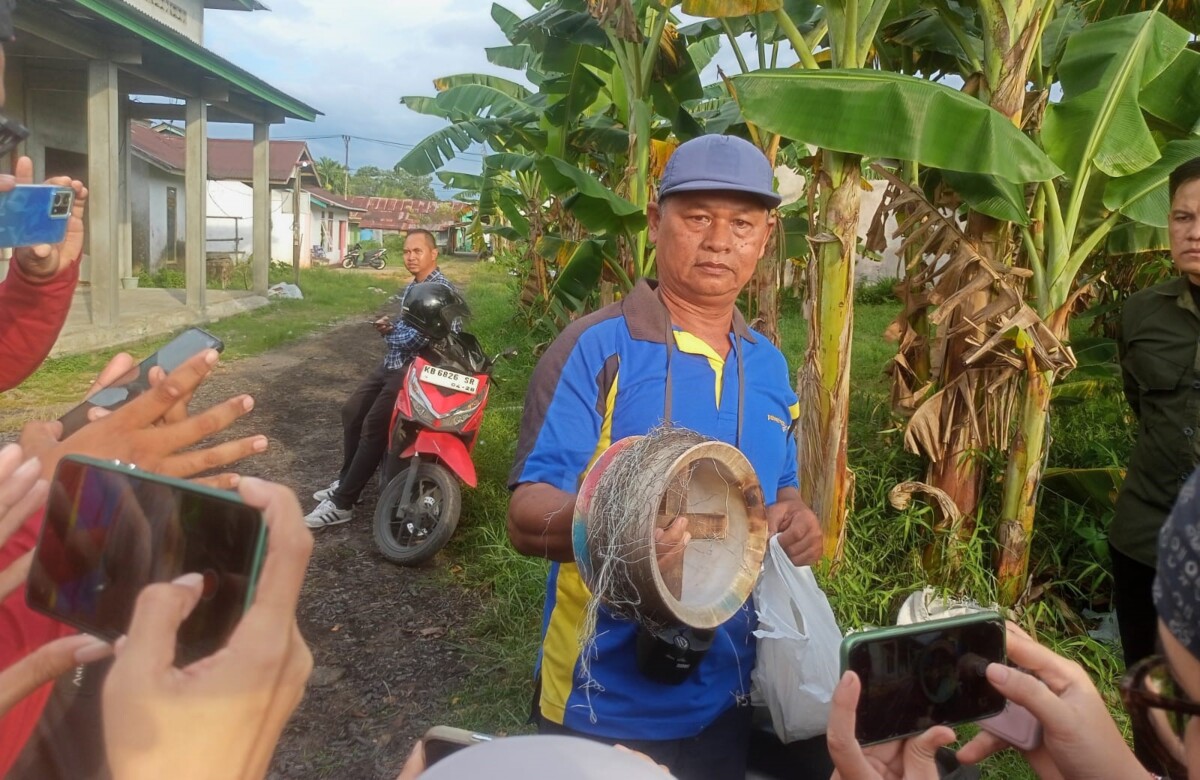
(648, 319)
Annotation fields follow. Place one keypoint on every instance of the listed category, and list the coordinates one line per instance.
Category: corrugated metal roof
(407, 213)
(227, 158)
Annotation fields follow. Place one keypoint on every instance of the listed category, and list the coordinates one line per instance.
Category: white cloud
(354, 59)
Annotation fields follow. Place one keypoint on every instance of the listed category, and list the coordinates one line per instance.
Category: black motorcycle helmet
(434, 310)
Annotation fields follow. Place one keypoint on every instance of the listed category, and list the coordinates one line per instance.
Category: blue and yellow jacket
(603, 379)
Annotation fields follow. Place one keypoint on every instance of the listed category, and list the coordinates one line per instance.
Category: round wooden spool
(710, 483)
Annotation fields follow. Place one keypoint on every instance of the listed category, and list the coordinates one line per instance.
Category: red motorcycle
(435, 425)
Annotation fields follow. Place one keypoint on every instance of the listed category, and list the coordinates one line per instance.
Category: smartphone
(33, 214)
(925, 674)
(111, 529)
(1016, 725)
(441, 741)
(137, 381)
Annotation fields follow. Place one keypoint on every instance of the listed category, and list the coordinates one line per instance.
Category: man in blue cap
(675, 350)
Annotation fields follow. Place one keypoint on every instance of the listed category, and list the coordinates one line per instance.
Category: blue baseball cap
(720, 162)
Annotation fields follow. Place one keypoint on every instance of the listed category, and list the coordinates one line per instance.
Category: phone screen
(924, 675)
(109, 531)
(137, 381)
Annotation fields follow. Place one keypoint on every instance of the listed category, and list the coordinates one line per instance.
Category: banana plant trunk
(824, 382)
(1026, 457)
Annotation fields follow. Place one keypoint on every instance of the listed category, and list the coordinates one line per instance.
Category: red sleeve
(21, 632)
(31, 317)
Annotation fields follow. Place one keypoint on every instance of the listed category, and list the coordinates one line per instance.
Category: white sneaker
(326, 514)
(326, 493)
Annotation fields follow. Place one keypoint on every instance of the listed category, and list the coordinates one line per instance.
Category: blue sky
(355, 59)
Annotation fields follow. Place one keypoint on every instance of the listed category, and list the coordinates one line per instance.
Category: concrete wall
(231, 203)
(148, 192)
(182, 16)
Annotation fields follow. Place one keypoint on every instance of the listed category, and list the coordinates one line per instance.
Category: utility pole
(346, 187)
(296, 225)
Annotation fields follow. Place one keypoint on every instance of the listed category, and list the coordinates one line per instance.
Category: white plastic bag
(798, 645)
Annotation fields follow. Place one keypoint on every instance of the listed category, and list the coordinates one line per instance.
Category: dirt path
(387, 641)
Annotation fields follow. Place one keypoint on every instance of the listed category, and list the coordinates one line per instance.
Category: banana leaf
(1144, 196)
(1095, 487)
(880, 114)
(510, 88)
(1174, 97)
(717, 9)
(990, 195)
(438, 148)
(926, 31)
(1134, 238)
(474, 100)
(506, 20)
(1103, 70)
(600, 134)
(1065, 24)
(518, 56)
(457, 180)
(594, 205)
(579, 265)
(554, 25)
(703, 51)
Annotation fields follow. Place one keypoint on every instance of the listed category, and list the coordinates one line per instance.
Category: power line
(380, 141)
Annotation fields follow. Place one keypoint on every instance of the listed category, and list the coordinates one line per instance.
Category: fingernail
(190, 580)
(9, 448)
(211, 357)
(248, 403)
(845, 677)
(234, 481)
(260, 444)
(93, 651)
(998, 673)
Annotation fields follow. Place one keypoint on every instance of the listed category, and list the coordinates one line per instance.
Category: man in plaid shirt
(365, 416)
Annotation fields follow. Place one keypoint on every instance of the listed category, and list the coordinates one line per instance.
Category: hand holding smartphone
(178, 351)
(111, 529)
(33, 214)
(926, 674)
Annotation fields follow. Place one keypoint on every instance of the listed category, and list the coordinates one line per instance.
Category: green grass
(330, 296)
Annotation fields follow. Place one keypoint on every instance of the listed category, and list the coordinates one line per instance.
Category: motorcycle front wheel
(378, 264)
(348, 262)
(409, 530)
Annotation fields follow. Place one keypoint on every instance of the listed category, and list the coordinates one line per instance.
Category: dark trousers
(1137, 622)
(717, 753)
(365, 418)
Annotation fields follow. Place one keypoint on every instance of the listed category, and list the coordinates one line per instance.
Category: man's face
(708, 243)
(1184, 227)
(420, 258)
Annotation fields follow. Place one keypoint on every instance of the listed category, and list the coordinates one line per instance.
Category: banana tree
(1118, 78)
(848, 28)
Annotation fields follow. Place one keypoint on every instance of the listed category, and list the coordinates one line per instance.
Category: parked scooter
(435, 425)
(356, 258)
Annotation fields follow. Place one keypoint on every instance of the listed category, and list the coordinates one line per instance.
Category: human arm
(1128, 382)
(539, 521)
(1080, 741)
(36, 296)
(242, 695)
(799, 531)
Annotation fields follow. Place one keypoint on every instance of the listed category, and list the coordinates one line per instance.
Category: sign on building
(183, 16)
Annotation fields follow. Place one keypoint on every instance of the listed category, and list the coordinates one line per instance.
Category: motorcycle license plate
(449, 379)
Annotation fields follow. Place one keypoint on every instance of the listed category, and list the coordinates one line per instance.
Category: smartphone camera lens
(211, 581)
(61, 205)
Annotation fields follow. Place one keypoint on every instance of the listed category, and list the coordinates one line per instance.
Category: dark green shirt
(1160, 366)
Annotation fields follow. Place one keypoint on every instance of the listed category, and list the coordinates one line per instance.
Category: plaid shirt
(404, 340)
